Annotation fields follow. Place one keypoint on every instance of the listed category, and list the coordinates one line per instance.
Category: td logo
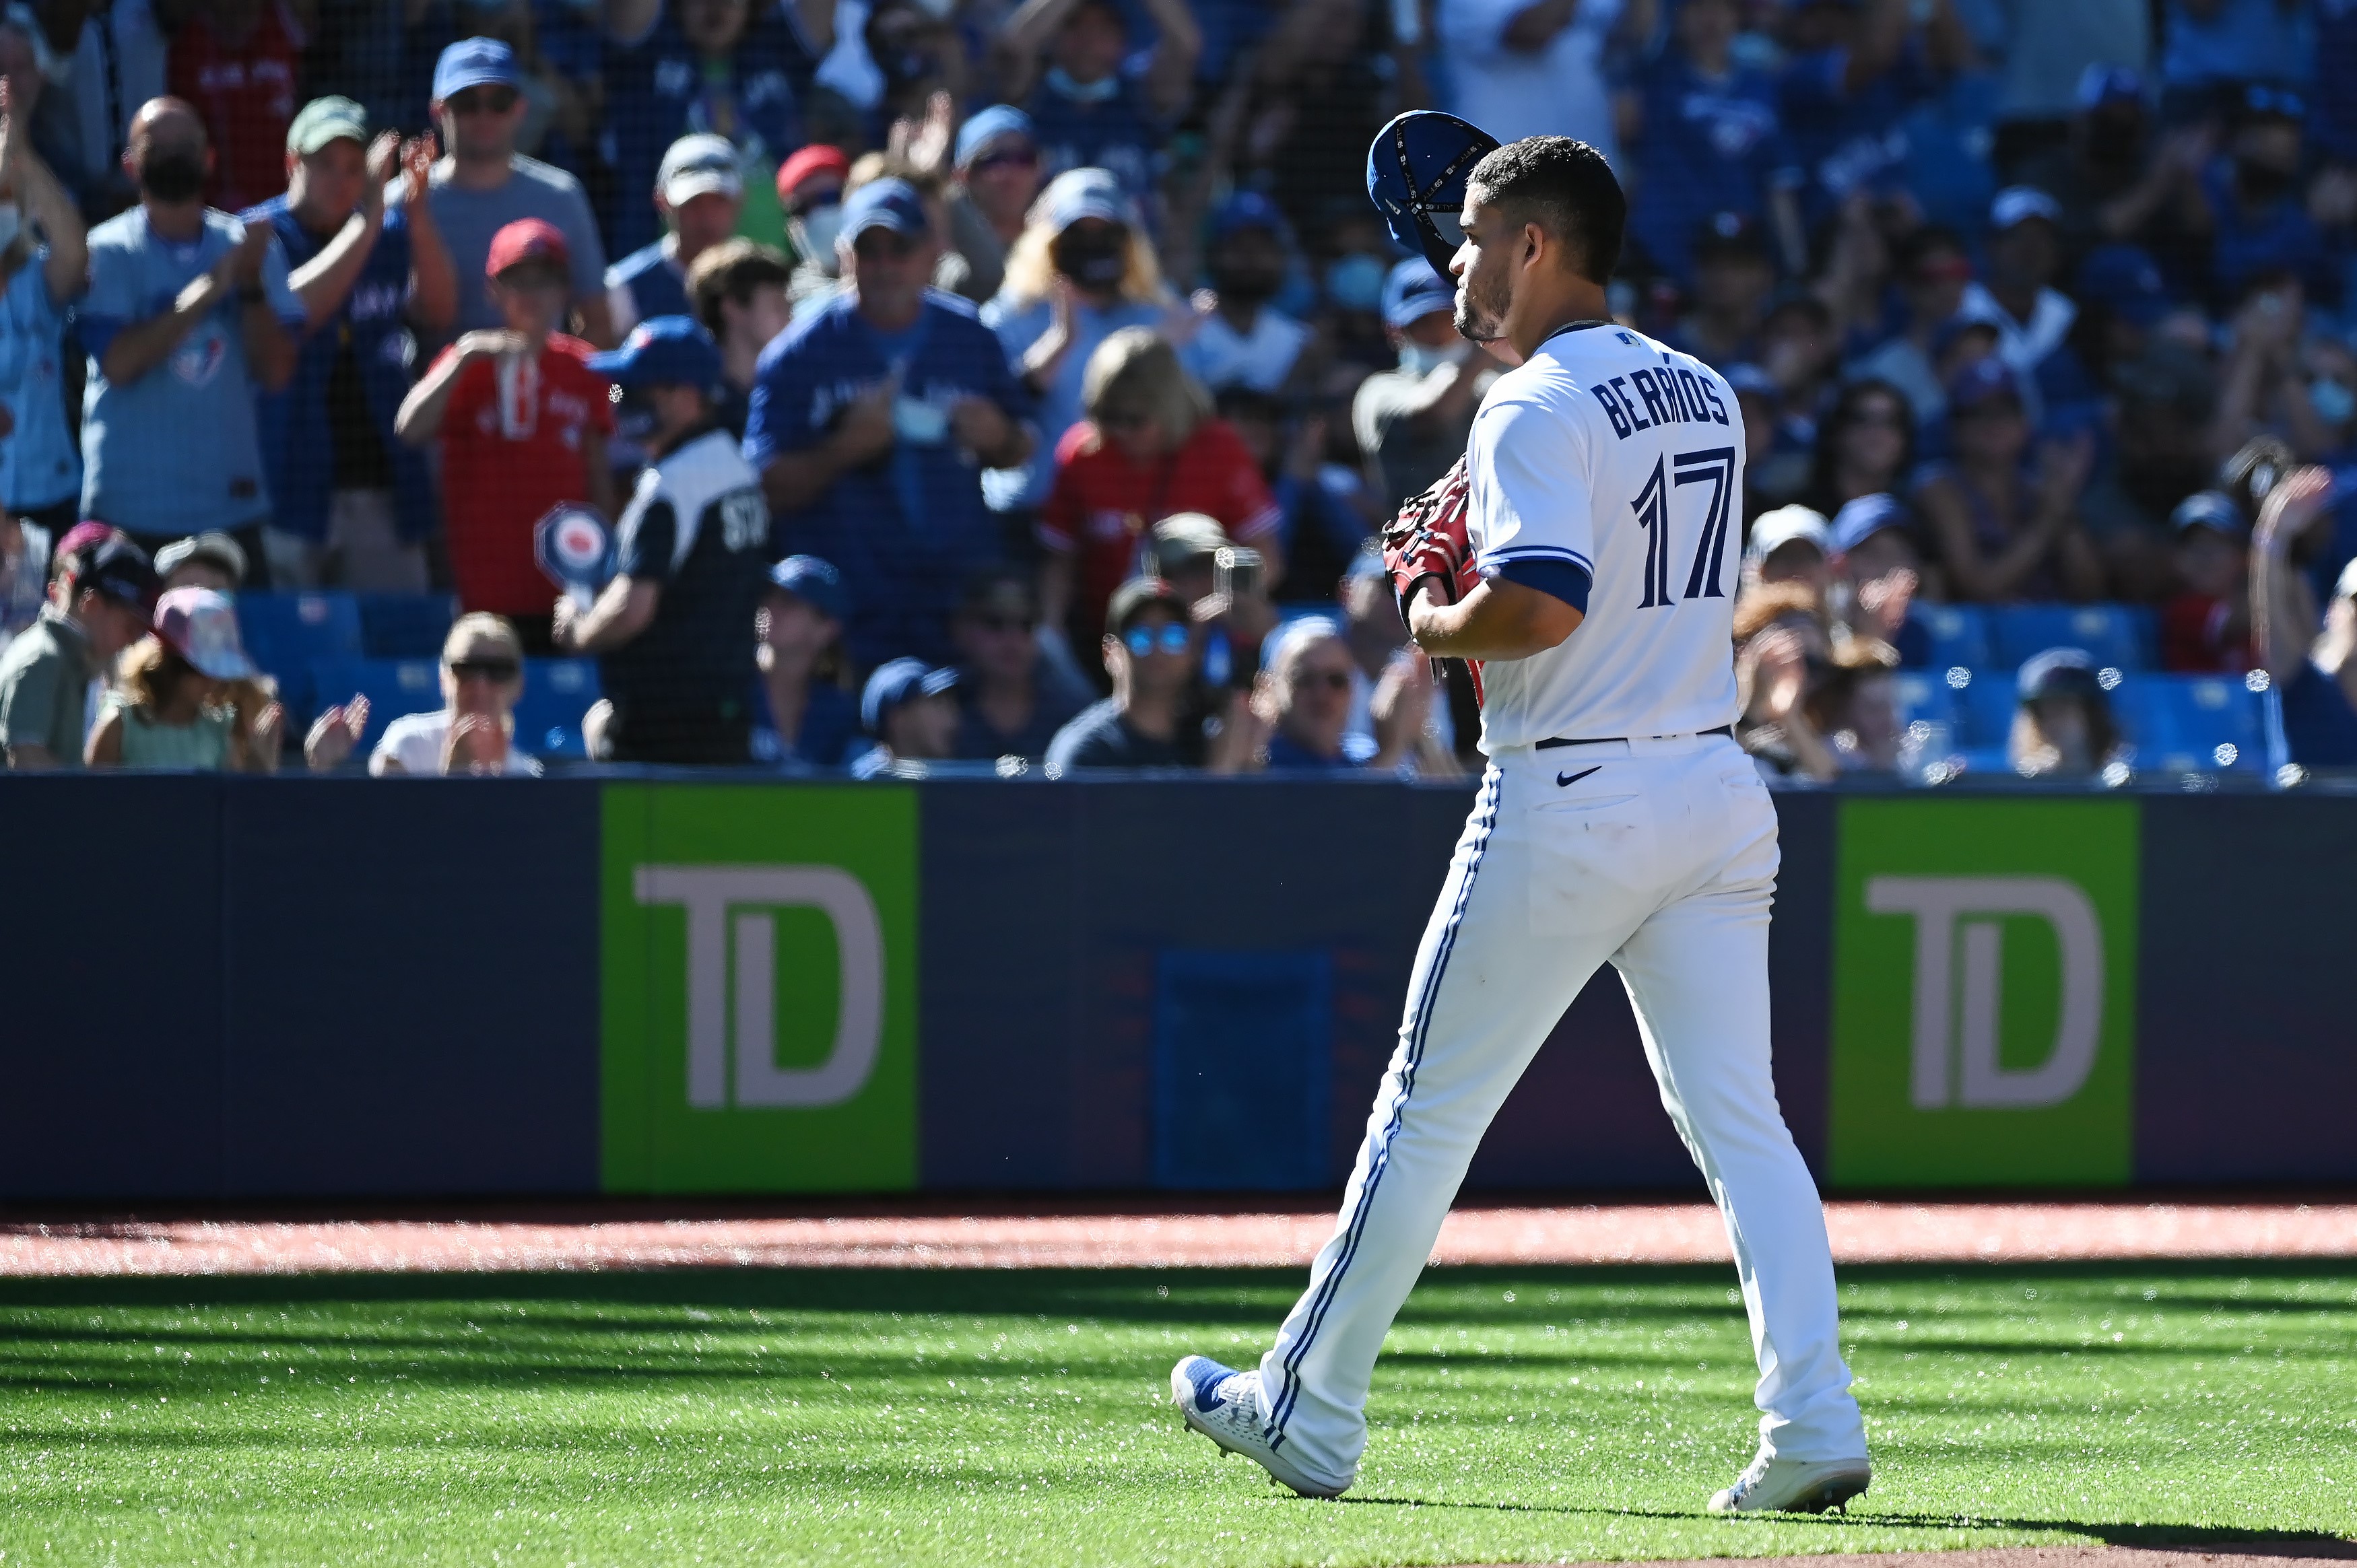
(1985, 983)
(759, 979)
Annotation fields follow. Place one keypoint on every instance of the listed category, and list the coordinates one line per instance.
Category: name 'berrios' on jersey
(1621, 459)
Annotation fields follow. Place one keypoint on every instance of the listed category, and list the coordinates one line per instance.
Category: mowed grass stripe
(750, 1416)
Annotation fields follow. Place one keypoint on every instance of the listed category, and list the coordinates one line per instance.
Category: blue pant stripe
(1419, 1024)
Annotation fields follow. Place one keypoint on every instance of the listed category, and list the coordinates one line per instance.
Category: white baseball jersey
(1611, 458)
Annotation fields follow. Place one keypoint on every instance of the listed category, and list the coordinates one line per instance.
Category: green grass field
(885, 1417)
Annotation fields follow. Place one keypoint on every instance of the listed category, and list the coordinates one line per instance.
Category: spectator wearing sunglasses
(911, 712)
(1150, 652)
(1303, 694)
(1011, 700)
(474, 732)
(997, 176)
(484, 183)
(872, 419)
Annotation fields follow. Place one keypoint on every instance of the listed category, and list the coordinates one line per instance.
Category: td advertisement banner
(759, 988)
(1985, 989)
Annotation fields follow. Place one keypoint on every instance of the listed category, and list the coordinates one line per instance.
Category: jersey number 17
(1714, 466)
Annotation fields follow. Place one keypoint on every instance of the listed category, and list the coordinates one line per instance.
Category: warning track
(928, 1236)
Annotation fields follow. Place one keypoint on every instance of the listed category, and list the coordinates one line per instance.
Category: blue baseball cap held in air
(1416, 171)
(814, 582)
(1415, 291)
(663, 350)
(987, 126)
(896, 682)
(475, 62)
(886, 203)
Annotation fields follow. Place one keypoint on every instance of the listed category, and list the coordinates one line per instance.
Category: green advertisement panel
(1984, 986)
(759, 1005)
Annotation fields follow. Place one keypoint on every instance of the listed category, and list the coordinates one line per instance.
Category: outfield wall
(283, 988)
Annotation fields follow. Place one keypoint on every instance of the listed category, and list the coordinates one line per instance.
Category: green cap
(324, 120)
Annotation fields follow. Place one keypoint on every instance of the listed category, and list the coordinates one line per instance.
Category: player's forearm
(1498, 620)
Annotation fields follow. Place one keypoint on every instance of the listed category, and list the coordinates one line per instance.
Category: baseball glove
(1427, 540)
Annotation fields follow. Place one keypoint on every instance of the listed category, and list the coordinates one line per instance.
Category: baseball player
(1618, 821)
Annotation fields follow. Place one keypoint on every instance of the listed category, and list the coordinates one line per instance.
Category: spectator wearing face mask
(810, 190)
(188, 699)
(1412, 423)
(803, 715)
(699, 192)
(998, 169)
(1011, 700)
(2063, 727)
(1238, 338)
(98, 607)
(188, 311)
(1083, 271)
(1067, 63)
(910, 712)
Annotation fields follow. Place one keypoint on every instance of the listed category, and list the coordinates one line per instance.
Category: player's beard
(1480, 311)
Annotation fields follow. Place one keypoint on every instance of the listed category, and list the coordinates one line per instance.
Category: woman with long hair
(187, 698)
(1865, 445)
(1082, 270)
(2005, 529)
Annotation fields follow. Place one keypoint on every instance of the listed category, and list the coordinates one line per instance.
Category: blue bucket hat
(475, 62)
(1416, 171)
(814, 582)
(1414, 291)
(662, 350)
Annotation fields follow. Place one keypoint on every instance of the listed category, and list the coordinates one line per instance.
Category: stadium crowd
(974, 383)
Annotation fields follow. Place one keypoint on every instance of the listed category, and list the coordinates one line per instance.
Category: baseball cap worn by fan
(1184, 537)
(326, 119)
(199, 626)
(526, 239)
(1138, 596)
(664, 350)
(887, 203)
(114, 566)
(896, 682)
(1860, 519)
(1078, 193)
(1415, 291)
(807, 163)
(1787, 525)
(700, 165)
(974, 137)
(1418, 166)
(2057, 673)
(475, 62)
(215, 549)
(814, 582)
(2019, 203)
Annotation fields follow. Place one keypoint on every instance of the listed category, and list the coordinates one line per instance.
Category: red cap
(816, 158)
(526, 239)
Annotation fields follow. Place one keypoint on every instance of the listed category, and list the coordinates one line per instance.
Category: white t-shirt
(1557, 90)
(414, 741)
(1611, 459)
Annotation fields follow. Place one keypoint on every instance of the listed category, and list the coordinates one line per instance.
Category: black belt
(1725, 730)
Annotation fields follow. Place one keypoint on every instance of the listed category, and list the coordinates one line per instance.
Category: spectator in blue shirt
(1303, 694)
(912, 715)
(2310, 658)
(1011, 698)
(2032, 317)
(352, 504)
(723, 68)
(1702, 133)
(1852, 72)
(40, 472)
(871, 418)
(1088, 111)
(2257, 220)
(699, 192)
(188, 310)
(802, 716)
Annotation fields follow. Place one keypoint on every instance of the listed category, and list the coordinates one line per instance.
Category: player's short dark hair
(1566, 188)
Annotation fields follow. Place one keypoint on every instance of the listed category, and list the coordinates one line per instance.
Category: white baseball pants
(1658, 856)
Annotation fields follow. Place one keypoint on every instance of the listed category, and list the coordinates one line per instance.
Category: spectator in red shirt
(1150, 448)
(235, 61)
(522, 421)
(2205, 628)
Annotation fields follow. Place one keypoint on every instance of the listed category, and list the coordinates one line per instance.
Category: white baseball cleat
(1224, 1405)
(1794, 1486)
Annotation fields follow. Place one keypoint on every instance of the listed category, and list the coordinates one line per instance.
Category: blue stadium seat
(393, 686)
(557, 692)
(2120, 636)
(1984, 706)
(1924, 695)
(1958, 634)
(288, 633)
(2192, 724)
(406, 626)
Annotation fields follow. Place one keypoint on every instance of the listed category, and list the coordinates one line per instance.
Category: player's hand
(334, 734)
(477, 744)
(2293, 507)
(865, 432)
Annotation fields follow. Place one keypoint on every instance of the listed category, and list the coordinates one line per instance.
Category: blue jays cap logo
(1417, 167)
(573, 546)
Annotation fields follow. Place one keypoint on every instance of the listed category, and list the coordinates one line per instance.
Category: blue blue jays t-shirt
(2281, 237)
(1709, 146)
(1843, 141)
(907, 529)
(38, 465)
(654, 281)
(174, 451)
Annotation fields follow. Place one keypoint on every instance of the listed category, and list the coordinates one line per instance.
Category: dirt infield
(929, 1237)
